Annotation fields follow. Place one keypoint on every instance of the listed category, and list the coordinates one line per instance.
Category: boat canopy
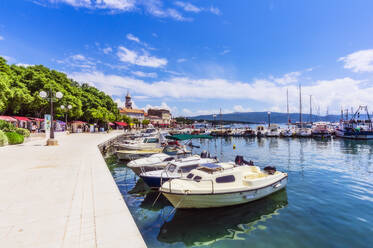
(188, 136)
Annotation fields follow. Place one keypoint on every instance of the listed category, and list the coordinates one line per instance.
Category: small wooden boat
(222, 184)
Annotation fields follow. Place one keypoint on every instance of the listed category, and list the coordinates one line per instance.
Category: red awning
(123, 124)
(7, 118)
(21, 118)
(36, 119)
(78, 122)
(111, 124)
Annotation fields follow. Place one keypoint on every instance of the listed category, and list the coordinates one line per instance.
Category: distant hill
(260, 117)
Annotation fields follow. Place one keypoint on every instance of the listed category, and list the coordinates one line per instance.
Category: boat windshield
(151, 140)
(171, 168)
(188, 168)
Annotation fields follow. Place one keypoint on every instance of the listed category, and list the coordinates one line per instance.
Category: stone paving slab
(62, 196)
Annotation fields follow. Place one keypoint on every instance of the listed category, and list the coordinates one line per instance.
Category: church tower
(128, 101)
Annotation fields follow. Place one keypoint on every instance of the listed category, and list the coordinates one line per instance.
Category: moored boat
(135, 154)
(222, 184)
(320, 130)
(176, 169)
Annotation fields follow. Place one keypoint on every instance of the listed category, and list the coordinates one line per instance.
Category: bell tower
(128, 101)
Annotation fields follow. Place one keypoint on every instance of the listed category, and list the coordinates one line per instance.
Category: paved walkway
(62, 196)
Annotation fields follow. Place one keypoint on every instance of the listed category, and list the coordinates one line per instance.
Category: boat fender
(234, 147)
(270, 170)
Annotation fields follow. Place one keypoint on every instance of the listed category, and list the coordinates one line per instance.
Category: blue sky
(195, 57)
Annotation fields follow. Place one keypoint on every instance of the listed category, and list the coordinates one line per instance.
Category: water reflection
(154, 201)
(205, 226)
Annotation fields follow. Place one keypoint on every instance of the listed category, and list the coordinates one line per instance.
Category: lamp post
(269, 118)
(69, 107)
(51, 97)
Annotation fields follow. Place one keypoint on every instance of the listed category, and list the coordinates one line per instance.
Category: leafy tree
(20, 87)
(145, 122)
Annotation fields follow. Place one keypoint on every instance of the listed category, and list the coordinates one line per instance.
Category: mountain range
(261, 117)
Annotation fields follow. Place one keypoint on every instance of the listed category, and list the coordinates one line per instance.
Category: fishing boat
(273, 131)
(320, 130)
(223, 184)
(356, 127)
(176, 169)
(135, 154)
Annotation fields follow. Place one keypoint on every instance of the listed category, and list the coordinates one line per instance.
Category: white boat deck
(62, 196)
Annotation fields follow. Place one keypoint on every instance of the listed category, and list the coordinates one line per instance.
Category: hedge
(7, 126)
(14, 138)
(3, 139)
(23, 131)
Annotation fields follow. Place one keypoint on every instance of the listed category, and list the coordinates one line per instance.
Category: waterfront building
(160, 116)
(138, 114)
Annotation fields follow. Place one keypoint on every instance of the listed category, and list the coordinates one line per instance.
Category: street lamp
(52, 98)
(269, 118)
(69, 107)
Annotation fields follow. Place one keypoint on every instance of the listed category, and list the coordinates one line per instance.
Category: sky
(195, 57)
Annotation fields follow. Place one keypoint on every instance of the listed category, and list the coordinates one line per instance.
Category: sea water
(328, 201)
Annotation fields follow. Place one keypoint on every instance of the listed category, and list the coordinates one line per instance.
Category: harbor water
(328, 201)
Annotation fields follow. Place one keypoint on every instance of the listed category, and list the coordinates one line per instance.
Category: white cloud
(78, 57)
(215, 10)
(1, 37)
(129, 56)
(225, 51)
(133, 38)
(188, 7)
(78, 60)
(326, 93)
(145, 74)
(107, 50)
(239, 108)
(288, 78)
(195, 9)
(181, 60)
(155, 8)
(8, 58)
(122, 5)
(24, 65)
(360, 61)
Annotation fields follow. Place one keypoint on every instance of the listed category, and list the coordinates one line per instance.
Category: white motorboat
(176, 169)
(158, 161)
(287, 132)
(136, 154)
(260, 131)
(303, 132)
(144, 144)
(222, 184)
(273, 131)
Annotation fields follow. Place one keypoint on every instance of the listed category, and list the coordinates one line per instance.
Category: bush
(14, 138)
(3, 139)
(7, 126)
(23, 131)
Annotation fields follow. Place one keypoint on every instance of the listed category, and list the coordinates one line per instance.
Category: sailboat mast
(311, 109)
(287, 105)
(300, 105)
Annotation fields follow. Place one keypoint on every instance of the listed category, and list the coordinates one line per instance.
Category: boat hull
(155, 182)
(364, 135)
(223, 199)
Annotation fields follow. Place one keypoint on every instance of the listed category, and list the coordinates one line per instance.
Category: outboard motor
(270, 170)
(241, 161)
(204, 154)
